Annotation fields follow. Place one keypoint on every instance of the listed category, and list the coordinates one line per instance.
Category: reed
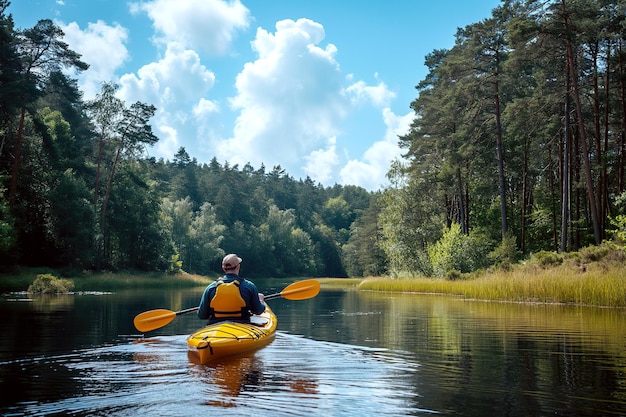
(340, 282)
(597, 286)
(104, 281)
(124, 280)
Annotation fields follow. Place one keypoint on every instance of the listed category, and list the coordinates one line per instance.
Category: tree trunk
(524, 196)
(565, 172)
(16, 161)
(462, 216)
(621, 149)
(583, 137)
(500, 157)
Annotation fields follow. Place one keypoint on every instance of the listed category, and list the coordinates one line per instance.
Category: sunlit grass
(340, 282)
(598, 286)
(120, 280)
(104, 281)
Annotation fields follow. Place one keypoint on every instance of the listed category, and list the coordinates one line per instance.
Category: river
(342, 353)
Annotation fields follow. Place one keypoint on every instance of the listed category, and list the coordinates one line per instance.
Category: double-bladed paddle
(155, 319)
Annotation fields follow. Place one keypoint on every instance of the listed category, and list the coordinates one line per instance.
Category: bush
(454, 275)
(506, 254)
(456, 251)
(594, 253)
(546, 258)
(49, 284)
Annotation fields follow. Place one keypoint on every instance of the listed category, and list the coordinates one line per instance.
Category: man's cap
(230, 261)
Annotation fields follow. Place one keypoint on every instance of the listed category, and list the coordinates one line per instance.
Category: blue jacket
(248, 290)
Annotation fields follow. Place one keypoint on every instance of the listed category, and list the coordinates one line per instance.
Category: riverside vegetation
(595, 276)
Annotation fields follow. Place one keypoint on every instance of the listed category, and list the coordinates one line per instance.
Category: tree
(72, 218)
(41, 50)
(205, 237)
(7, 229)
(363, 254)
(125, 131)
(10, 73)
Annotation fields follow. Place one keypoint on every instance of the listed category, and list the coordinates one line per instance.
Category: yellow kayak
(228, 338)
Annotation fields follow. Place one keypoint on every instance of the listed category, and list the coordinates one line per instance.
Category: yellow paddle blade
(301, 290)
(153, 319)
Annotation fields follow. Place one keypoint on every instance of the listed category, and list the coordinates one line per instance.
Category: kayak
(230, 337)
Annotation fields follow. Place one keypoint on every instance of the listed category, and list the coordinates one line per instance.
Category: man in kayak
(230, 297)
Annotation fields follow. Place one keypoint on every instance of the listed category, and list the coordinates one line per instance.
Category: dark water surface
(343, 353)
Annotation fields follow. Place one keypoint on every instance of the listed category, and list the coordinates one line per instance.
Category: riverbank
(595, 285)
(104, 281)
(599, 282)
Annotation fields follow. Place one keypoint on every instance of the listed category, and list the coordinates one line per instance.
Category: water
(343, 353)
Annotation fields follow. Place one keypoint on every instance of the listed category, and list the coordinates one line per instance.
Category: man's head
(231, 262)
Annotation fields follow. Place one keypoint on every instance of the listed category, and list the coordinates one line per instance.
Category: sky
(322, 88)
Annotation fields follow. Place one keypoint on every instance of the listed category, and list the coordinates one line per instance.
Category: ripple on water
(293, 376)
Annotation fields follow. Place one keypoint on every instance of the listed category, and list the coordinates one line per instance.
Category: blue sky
(321, 88)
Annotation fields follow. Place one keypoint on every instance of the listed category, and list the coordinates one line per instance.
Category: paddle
(155, 319)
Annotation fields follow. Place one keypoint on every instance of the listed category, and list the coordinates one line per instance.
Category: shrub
(593, 253)
(456, 251)
(506, 254)
(546, 258)
(453, 275)
(49, 284)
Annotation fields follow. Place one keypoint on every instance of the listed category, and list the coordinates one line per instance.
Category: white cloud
(378, 95)
(205, 108)
(321, 163)
(102, 47)
(168, 143)
(206, 25)
(176, 85)
(290, 100)
(370, 171)
(179, 78)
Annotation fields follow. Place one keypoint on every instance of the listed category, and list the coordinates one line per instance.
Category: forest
(518, 146)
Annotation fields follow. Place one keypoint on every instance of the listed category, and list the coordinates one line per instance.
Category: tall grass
(104, 281)
(597, 286)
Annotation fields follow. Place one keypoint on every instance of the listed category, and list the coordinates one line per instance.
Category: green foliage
(547, 259)
(594, 253)
(405, 227)
(176, 265)
(72, 218)
(49, 284)
(363, 254)
(619, 231)
(7, 228)
(505, 254)
(457, 252)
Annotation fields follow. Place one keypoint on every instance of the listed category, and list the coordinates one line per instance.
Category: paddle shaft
(154, 319)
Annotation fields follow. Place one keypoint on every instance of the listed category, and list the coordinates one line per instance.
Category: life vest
(227, 301)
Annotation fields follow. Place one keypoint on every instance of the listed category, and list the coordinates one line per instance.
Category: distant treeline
(518, 146)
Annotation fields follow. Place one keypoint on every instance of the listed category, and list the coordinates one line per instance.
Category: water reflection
(344, 353)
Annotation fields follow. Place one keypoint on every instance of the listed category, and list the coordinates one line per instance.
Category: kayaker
(230, 297)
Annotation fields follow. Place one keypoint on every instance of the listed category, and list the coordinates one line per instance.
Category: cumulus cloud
(206, 25)
(369, 172)
(321, 163)
(176, 85)
(178, 78)
(101, 46)
(378, 95)
(289, 100)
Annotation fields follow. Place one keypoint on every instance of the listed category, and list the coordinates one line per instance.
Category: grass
(103, 281)
(593, 283)
(597, 285)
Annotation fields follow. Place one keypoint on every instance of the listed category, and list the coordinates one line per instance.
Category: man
(230, 297)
